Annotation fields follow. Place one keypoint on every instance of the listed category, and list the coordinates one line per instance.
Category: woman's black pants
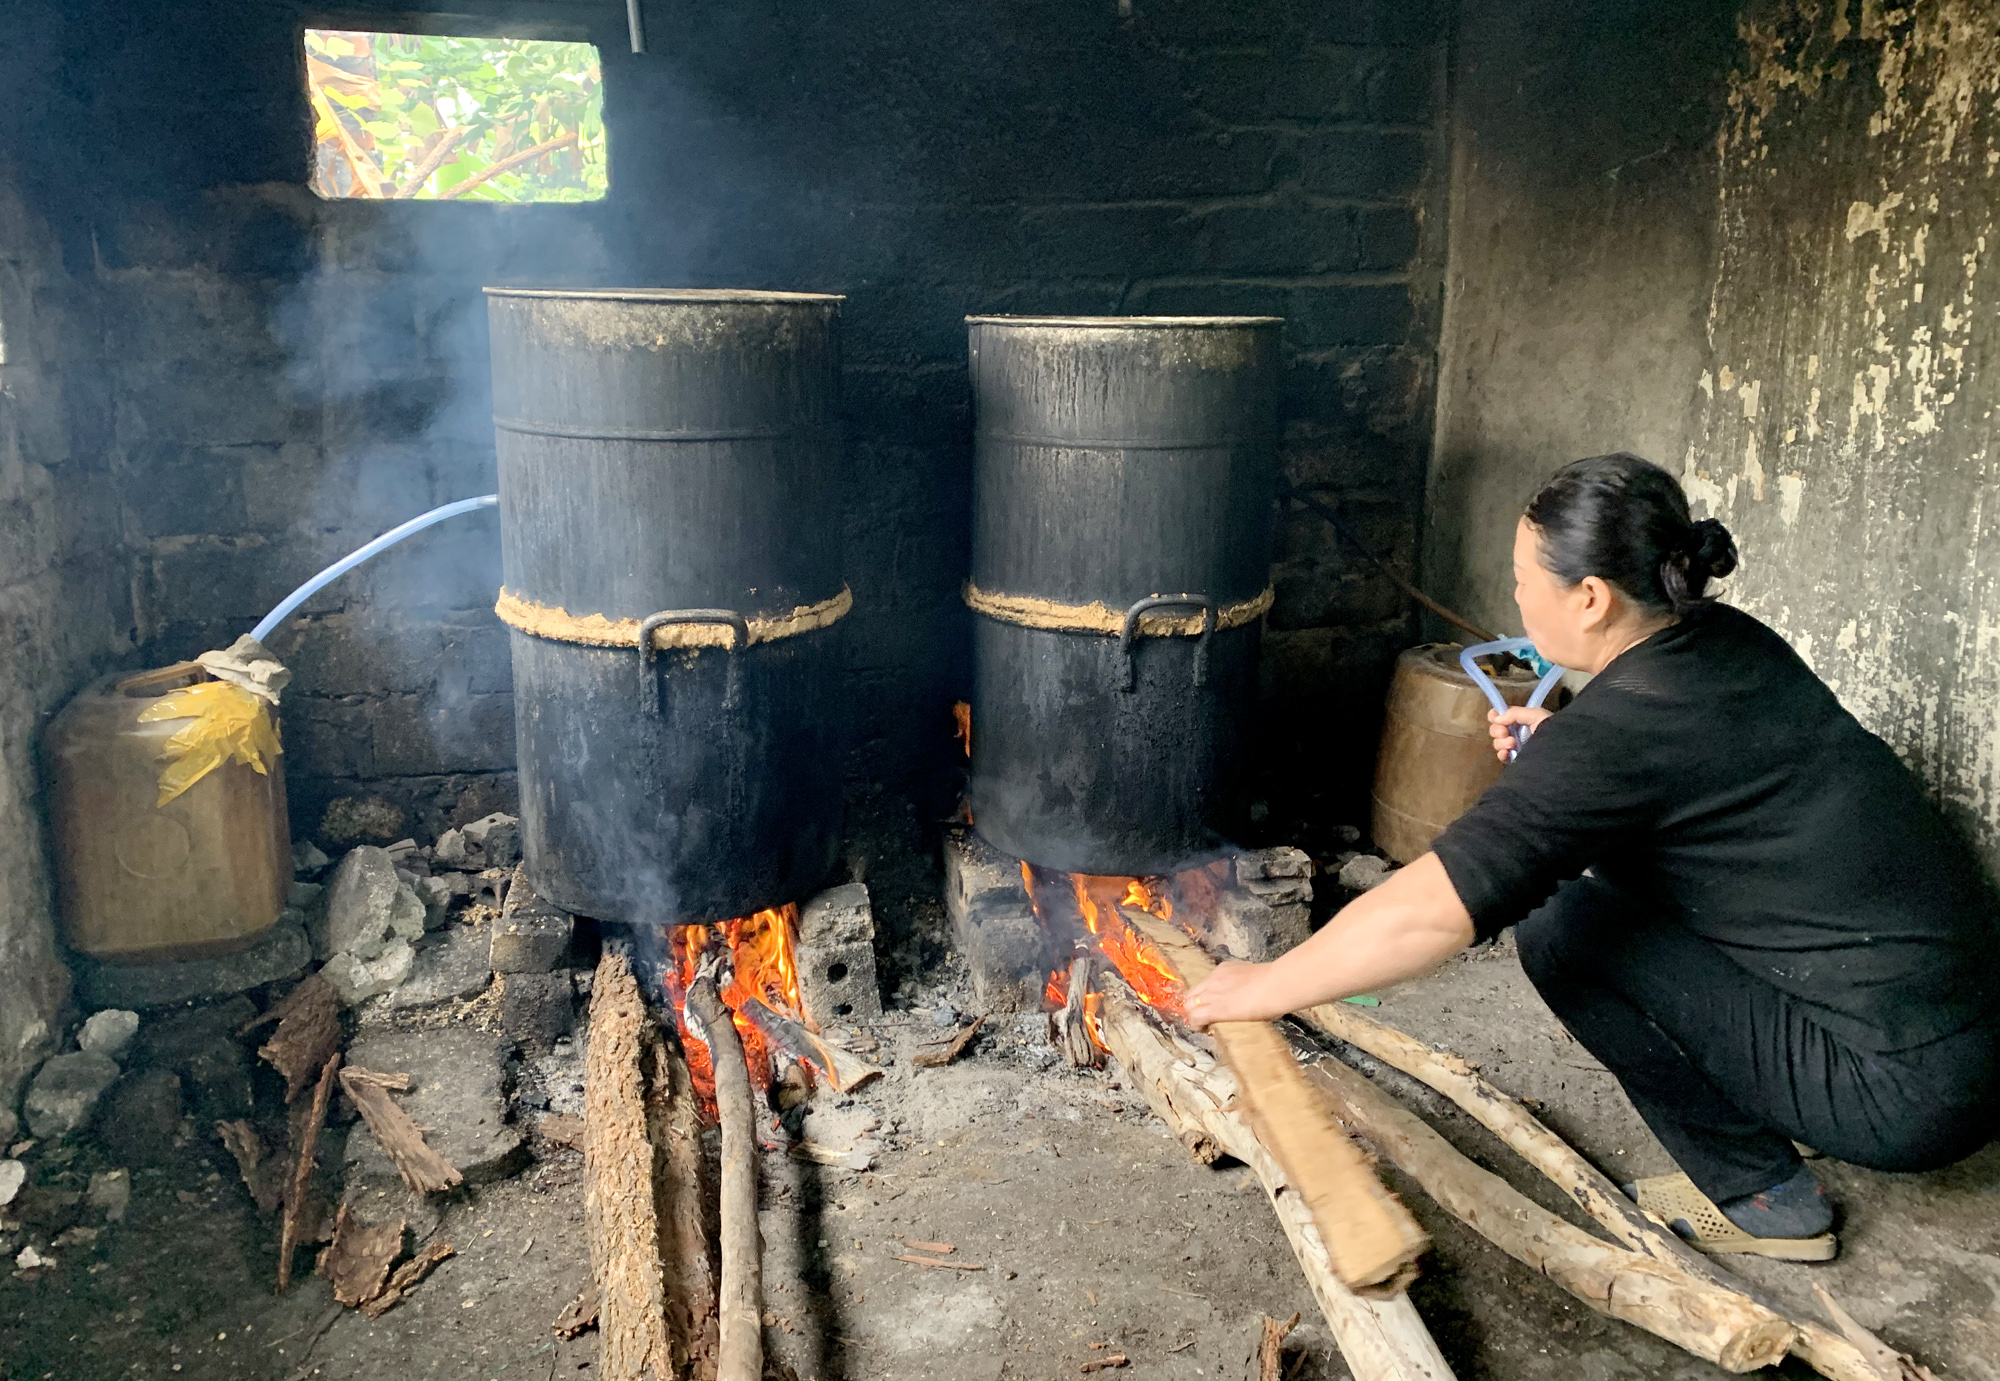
(1728, 1070)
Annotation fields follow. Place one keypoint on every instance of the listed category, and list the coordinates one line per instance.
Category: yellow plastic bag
(230, 724)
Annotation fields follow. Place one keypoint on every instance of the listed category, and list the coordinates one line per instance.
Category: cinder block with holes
(837, 956)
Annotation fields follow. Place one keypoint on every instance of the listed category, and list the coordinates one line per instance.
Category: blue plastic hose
(1520, 647)
(353, 559)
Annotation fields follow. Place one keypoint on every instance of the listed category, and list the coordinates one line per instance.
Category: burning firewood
(1072, 1023)
(843, 1069)
(1382, 1339)
(422, 1169)
(308, 1151)
(1831, 1354)
(741, 1354)
(1373, 1239)
(1717, 1325)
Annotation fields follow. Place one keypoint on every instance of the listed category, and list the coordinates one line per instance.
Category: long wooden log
(620, 1212)
(684, 1195)
(1826, 1351)
(1382, 1339)
(1717, 1325)
(740, 1356)
(1373, 1239)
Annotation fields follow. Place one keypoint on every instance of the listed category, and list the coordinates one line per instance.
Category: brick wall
(65, 591)
(290, 377)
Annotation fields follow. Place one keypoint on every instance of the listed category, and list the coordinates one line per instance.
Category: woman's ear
(1595, 603)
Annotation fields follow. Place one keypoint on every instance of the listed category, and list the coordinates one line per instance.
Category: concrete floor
(1090, 1222)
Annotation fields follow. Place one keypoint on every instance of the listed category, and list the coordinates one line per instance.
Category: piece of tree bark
(845, 1070)
(308, 1031)
(396, 1132)
(308, 1150)
(262, 1176)
(1372, 1238)
(1828, 1352)
(684, 1195)
(579, 1314)
(1721, 1326)
(1271, 1352)
(740, 1356)
(937, 1059)
(1382, 1339)
(1072, 1022)
(406, 1278)
(619, 1206)
(356, 1263)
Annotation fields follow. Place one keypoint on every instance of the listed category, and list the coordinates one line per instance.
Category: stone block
(994, 924)
(1286, 237)
(1246, 926)
(1355, 314)
(497, 838)
(457, 1094)
(1365, 872)
(837, 956)
(450, 964)
(531, 936)
(63, 1096)
(283, 953)
(536, 1008)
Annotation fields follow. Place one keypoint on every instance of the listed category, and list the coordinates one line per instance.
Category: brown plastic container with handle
(203, 875)
(1436, 757)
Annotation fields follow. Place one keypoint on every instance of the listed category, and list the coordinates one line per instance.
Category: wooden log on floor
(1717, 1325)
(620, 1212)
(1382, 1339)
(1828, 1352)
(1373, 1239)
(740, 1356)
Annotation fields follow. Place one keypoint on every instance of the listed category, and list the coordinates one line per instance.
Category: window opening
(430, 117)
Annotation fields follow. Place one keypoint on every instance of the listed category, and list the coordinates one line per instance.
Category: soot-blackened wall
(1768, 265)
(286, 377)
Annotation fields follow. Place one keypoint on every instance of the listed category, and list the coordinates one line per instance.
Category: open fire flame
(763, 965)
(1063, 900)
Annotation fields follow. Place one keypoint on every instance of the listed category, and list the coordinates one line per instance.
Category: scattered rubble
(108, 1032)
(450, 964)
(64, 1093)
(13, 1174)
(1365, 871)
(367, 909)
(110, 1193)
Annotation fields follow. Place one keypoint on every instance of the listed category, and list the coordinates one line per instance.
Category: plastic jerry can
(205, 874)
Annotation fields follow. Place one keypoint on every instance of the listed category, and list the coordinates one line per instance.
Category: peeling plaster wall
(1804, 346)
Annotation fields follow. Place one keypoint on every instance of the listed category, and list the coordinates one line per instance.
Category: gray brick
(1281, 238)
(531, 936)
(404, 737)
(1361, 314)
(837, 957)
(1108, 241)
(176, 490)
(1388, 235)
(327, 738)
(536, 1008)
(1364, 163)
(1403, 87)
(365, 653)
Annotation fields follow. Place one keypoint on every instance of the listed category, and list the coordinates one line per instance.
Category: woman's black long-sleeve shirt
(1707, 771)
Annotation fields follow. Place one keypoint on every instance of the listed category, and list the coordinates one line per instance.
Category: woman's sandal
(1674, 1200)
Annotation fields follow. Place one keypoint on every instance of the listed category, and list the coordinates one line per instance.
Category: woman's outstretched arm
(1403, 928)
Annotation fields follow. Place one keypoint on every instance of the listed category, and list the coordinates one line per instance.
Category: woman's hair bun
(1714, 549)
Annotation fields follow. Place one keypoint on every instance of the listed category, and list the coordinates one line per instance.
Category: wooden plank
(1381, 1339)
(1373, 1240)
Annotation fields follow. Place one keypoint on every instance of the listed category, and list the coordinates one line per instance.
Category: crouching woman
(1732, 894)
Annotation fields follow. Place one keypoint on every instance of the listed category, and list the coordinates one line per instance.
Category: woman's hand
(1229, 994)
(1501, 726)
